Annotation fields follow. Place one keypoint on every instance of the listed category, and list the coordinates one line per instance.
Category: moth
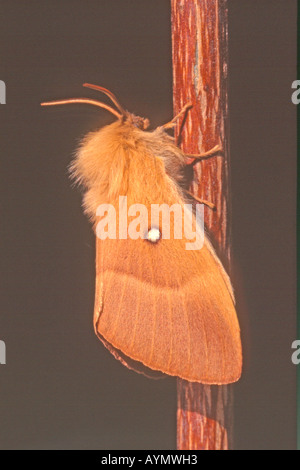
(158, 305)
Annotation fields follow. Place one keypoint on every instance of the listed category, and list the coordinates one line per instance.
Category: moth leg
(202, 201)
(172, 124)
(203, 156)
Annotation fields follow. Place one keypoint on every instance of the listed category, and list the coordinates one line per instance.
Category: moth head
(120, 112)
(137, 121)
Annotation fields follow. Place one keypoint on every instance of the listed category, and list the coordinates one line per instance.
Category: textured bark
(200, 64)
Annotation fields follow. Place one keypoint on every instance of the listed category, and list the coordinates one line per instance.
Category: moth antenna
(107, 93)
(85, 101)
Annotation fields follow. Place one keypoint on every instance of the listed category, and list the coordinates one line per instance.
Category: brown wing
(168, 308)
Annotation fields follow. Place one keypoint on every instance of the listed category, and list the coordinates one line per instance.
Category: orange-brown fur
(121, 159)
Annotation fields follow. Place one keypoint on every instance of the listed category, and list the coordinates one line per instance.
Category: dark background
(60, 388)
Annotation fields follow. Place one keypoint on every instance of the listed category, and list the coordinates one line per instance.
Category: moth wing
(168, 308)
(128, 362)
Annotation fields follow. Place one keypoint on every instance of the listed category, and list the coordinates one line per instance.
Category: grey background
(60, 388)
